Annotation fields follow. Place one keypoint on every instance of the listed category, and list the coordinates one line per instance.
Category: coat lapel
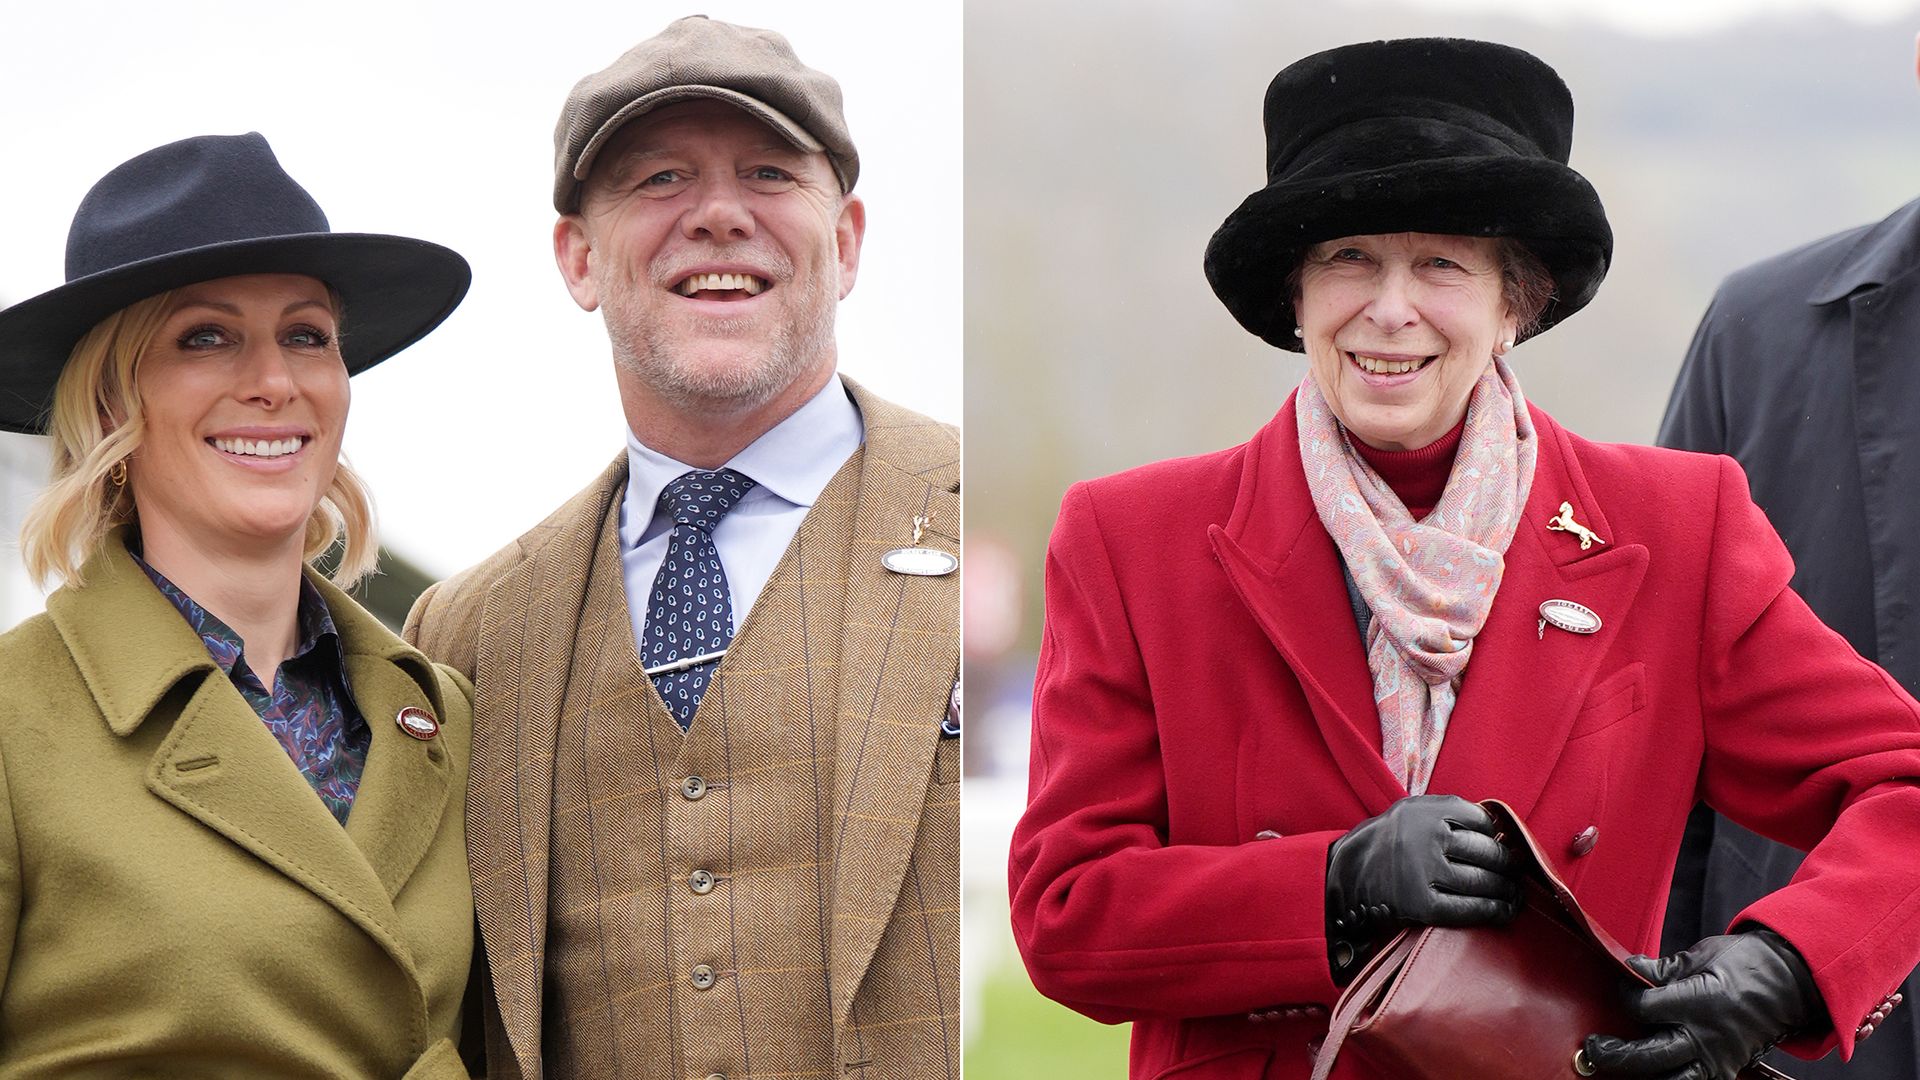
(403, 793)
(523, 660)
(1524, 685)
(1281, 562)
(221, 766)
(899, 657)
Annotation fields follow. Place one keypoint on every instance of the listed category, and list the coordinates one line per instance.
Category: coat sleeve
(1811, 745)
(1112, 919)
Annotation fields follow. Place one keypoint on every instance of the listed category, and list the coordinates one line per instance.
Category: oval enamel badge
(418, 723)
(1569, 616)
(920, 562)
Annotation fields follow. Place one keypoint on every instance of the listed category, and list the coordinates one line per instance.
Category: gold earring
(118, 474)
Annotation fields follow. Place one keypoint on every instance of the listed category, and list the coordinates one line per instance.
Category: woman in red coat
(1273, 677)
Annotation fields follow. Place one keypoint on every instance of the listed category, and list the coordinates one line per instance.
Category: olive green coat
(175, 900)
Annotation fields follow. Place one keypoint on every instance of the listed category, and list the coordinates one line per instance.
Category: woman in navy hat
(231, 835)
(1274, 676)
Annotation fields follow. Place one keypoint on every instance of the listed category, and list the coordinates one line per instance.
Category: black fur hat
(1434, 135)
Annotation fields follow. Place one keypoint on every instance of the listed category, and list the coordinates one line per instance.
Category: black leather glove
(1429, 860)
(1719, 1005)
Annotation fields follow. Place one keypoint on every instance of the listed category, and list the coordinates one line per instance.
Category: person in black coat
(1806, 368)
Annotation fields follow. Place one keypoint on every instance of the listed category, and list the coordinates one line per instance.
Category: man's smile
(721, 286)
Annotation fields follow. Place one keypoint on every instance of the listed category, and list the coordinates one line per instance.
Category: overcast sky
(436, 120)
(1668, 17)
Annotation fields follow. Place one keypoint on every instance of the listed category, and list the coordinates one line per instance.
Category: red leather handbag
(1513, 1002)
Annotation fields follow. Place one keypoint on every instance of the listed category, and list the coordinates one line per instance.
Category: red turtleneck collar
(1417, 476)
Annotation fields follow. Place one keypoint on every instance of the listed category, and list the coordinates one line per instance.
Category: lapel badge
(1569, 616)
(1563, 522)
(920, 561)
(418, 723)
(950, 726)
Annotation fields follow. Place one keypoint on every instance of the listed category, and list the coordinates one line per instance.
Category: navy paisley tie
(689, 613)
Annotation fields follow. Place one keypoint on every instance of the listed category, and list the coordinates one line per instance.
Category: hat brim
(567, 193)
(393, 290)
(1547, 206)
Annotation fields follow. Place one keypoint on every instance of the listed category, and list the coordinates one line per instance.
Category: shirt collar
(791, 462)
(224, 644)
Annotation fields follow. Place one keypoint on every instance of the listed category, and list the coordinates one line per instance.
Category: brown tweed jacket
(890, 849)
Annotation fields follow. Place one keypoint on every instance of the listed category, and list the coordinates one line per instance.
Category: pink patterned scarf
(1429, 583)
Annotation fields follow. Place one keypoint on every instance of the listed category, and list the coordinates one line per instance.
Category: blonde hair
(82, 503)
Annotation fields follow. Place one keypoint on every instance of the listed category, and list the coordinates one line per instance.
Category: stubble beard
(659, 354)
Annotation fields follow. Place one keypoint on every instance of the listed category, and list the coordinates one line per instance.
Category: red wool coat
(1204, 728)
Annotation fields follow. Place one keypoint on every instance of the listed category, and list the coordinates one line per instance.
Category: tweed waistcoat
(688, 932)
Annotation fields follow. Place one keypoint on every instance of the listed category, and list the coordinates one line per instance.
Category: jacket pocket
(1617, 697)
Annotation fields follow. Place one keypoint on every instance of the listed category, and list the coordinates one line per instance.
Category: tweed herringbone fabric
(827, 814)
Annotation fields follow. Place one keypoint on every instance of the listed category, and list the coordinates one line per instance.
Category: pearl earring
(1299, 332)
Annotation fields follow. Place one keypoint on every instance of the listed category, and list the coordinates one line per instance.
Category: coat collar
(1523, 687)
(218, 764)
(1884, 251)
(133, 647)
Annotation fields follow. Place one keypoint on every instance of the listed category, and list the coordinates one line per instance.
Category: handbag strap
(1364, 993)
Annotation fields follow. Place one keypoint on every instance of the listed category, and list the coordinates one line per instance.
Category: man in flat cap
(713, 813)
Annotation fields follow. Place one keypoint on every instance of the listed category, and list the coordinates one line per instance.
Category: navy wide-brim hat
(210, 207)
(1432, 135)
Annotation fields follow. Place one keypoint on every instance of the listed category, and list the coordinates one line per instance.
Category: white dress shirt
(789, 465)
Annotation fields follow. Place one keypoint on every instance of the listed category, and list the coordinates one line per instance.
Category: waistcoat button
(693, 788)
(700, 881)
(702, 977)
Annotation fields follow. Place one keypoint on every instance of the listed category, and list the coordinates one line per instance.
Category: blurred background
(435, 119)
(1103, 150)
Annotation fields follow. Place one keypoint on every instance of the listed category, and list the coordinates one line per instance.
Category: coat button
(702, 977)
(693, 788)
(1583, 843)
(701, 881)
(1343, 953)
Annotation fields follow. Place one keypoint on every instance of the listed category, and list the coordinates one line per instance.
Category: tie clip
(674, 667)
